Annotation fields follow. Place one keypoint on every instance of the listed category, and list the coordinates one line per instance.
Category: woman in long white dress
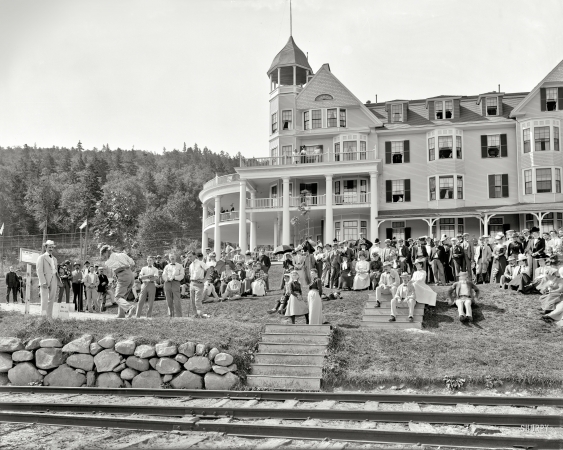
(299, 265)
(361, 280)
(314, 300)
(424, 294)
(258, 285)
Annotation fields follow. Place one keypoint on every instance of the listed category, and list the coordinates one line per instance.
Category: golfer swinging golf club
(121, 265)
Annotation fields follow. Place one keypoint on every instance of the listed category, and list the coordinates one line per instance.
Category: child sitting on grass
(282, 302)
(232, 292)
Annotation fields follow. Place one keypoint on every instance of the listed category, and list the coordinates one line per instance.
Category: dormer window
(551, 99)
(397, 113)
(492, 106)
(449, 106)
(444, 109)
(439, 108)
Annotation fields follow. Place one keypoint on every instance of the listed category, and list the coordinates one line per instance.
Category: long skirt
(499, 265)
(315, 308)
(259, 288)
(326, 274)
(549, 300)
(346, 280)
(247, 285)
(424, 294)
(361, 281)
(296, 307)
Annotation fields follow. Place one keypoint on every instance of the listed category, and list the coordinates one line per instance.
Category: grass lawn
(506, 341)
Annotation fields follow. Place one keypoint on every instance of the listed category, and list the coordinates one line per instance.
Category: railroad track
(247, 419)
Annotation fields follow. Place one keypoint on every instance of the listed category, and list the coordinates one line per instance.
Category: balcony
(316, 200)
(321, 158)
(223, 217)
(225, 179)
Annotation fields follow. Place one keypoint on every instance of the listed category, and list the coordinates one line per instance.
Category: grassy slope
(507, 340)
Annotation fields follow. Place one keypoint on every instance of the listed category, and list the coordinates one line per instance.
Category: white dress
(424, 294)
(361, 280)
(259, 287)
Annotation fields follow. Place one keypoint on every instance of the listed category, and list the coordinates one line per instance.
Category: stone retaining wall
(111, 364)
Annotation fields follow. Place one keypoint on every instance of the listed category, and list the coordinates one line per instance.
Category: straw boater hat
(405, 275)
(499, 236)
(420, 261)
(460, 274)
(522, 257)
(512, 258)
(386, 263)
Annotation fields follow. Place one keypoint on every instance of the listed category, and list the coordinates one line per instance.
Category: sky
(154, 74)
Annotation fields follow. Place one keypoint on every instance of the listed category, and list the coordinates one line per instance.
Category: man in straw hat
(404, 294)
(509, 272)
(388, 283)
(48, 278)
(483, 255)
(121, 265)
(465, 293)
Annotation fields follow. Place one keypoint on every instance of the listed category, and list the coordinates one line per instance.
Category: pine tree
(79, 146)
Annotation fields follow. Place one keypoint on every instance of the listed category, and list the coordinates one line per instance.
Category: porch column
(279, 76)
(276, 230)
(373, 206)
(294, 75)
(217, 247)
(242, 217)
(286, 235)
(329, 213)
(204, 239)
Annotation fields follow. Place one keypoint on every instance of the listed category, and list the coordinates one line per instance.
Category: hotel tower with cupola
(337, 168)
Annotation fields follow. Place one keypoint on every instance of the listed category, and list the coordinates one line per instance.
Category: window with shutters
(543, 180)
(343, 118)
(363, 228)
(541, 139)
(287, 119)
(496, 225)
(431, 149)
(498, 186)
(397, 152)
(558, 181)
(458, 147)
(493, 146)
(274, 122)
(432, 187)
(527, 182)
(331, 117)
(445, 147)
(551, 99)
(398, 230)
(446, 186)
(459, 187)
(317, 118)
(306, 117)
(556, 139)
(492, 106)
(398, 191)
(397, 113)
(526, 139)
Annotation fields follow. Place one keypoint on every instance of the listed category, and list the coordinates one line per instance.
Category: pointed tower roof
(290, 55)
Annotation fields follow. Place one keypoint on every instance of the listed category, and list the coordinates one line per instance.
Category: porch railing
(351, 199)
(225, 179)
(225, 217)
(320, 158)
(210, 220)
(311, 200)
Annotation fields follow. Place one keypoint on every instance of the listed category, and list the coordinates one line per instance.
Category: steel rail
(512, 420)
(288, 432)
(352, 397)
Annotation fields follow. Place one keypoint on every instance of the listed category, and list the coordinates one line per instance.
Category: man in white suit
(48, 278)
(482, 257)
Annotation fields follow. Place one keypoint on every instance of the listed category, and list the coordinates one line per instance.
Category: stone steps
(386, 311)
(391, 325)
(290, 357)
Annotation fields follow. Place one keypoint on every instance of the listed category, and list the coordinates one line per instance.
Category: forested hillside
(132, 198)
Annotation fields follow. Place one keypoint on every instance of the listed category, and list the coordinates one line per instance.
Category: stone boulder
(22, 356)
(91, 379)
(187, 380)
(187, 349)
(80, 345)
(166, 348)
(137, 363)
(220, 382)
(220, 370)
(81, 361)
(153, 362)
(167, 378)
(50, 343)
(24, 374)
(128, 374)
(167, 366)
(198, 364)
(95, 348)
(145, 351)
(213, 353)
(106, 361)
(107, 342)
(42, 372)
(109, 380)
(49, 358)
(147, 380)
(64, 376)
(125, 347)
(33, 344)
(182, 359)
(5, 362)
(4, 380)
(10, 344)
(119, 368)
(201, 349)
(223, 359)
(232, 368)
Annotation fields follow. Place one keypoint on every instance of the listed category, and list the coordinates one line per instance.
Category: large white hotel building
(442, 165)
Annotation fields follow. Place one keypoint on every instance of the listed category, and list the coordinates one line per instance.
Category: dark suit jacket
(515, 248)
(12, 279)
(538, 250)
(414, 252)
(265, 261)
(103, 279)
